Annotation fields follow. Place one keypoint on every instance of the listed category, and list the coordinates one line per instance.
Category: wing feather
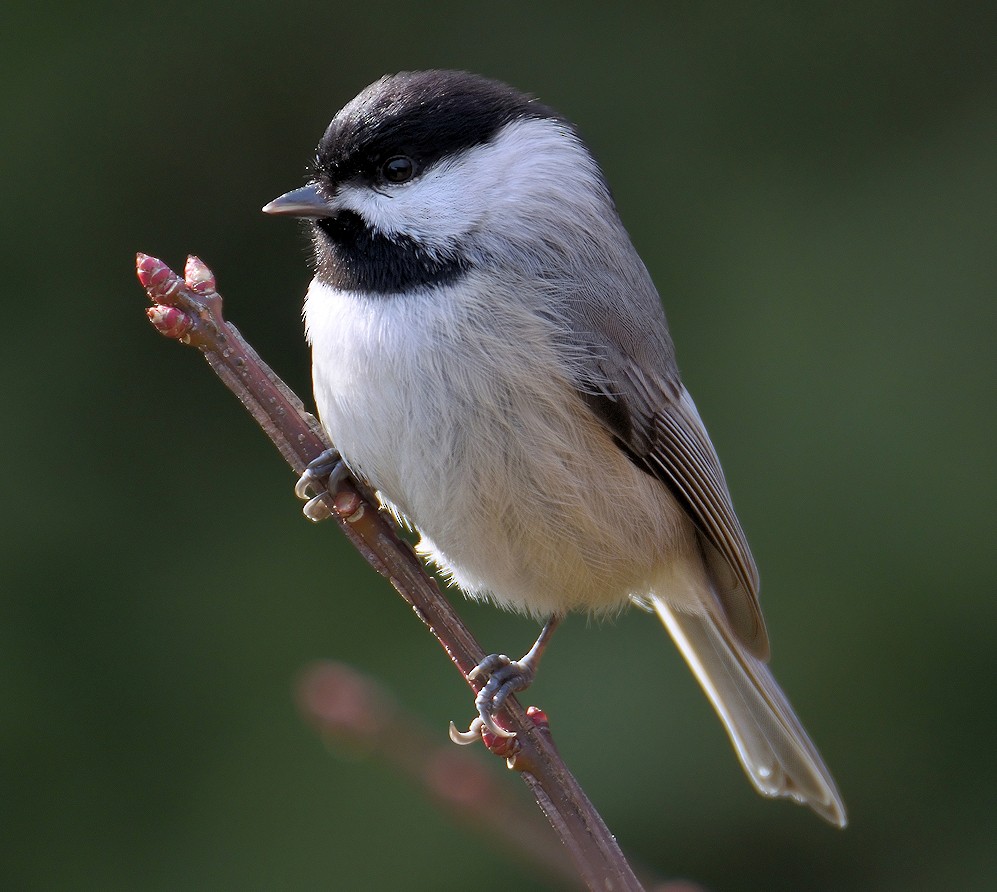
(655, 420)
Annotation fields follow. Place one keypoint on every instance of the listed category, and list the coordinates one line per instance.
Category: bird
(490, 355)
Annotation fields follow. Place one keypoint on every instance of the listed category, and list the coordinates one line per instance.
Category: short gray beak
(303, 202)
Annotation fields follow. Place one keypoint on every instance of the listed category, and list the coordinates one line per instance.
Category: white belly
(464, 420)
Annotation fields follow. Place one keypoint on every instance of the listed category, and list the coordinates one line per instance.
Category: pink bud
(340, 700)
(159, 281)
(198, 276)
(348, 505)
(538, 717)
(169, 321)
(506, 747)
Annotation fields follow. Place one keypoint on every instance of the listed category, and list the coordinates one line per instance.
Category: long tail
(774, 749)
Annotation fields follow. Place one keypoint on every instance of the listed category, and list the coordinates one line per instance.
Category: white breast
(457, 407)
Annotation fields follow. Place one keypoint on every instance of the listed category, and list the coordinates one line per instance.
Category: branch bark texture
(189, 309)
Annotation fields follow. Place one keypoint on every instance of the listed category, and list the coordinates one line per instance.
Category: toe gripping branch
(504, 678)
(323, 475)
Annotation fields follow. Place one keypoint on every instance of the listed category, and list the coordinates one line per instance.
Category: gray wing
(633, 387)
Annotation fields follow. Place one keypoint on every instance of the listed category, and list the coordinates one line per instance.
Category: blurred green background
(812, 186)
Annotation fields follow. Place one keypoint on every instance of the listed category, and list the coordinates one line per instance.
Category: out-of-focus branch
(190, 310)
(354, 712)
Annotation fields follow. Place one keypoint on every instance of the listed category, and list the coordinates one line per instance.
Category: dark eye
(398, 169)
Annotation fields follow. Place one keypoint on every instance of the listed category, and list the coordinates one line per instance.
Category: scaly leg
(507, 676)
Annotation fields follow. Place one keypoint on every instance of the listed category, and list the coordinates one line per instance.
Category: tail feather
(774, 749)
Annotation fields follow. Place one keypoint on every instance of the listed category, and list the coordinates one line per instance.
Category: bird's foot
(322, 476)
(505, 677)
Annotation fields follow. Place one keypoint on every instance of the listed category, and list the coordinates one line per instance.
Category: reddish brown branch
(190, 310)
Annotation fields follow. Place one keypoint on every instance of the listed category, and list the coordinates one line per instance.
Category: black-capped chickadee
(490, 354)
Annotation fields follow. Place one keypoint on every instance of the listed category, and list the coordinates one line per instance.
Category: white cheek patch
(464, 192)
(434, 209)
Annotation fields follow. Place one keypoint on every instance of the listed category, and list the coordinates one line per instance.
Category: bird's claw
(488, 665)
(322, 476)
(505, 677)
(471, 735)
